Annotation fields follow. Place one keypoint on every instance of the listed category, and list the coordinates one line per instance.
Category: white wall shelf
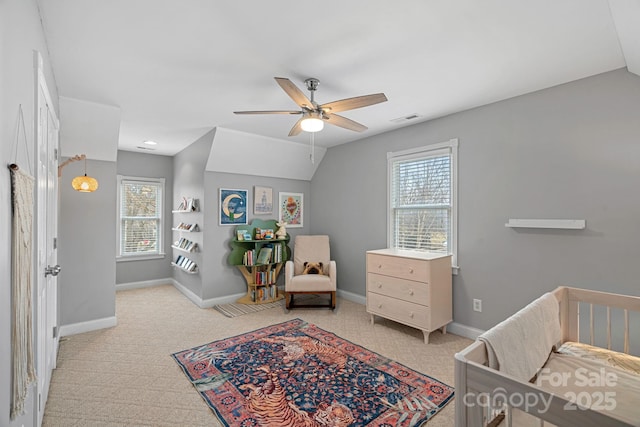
(184, 269)
(568, 224)
(192, 250)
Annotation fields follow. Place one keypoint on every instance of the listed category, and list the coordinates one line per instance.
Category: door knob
(49, 270)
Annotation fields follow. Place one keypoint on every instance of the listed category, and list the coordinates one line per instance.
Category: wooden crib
(488, 397)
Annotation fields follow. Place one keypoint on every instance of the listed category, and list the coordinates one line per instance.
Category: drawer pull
(411, 314)
(379, 305)
(411, 270)
(379, 285)
(410, 291)
(379, 265)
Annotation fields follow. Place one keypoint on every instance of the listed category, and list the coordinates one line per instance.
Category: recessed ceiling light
(405, 118)
(150, 142)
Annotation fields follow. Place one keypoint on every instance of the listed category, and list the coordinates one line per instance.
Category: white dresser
(410, 287)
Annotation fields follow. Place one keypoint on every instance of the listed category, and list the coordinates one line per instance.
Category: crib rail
(570, 299)
(484, 397)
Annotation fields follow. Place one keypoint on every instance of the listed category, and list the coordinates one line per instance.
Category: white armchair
(310, 249)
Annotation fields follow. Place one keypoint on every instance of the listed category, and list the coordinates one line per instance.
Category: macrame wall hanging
(22, 203)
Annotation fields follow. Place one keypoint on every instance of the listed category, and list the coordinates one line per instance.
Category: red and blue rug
(296, 374)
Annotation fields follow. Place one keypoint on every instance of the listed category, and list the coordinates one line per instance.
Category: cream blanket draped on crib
(23, 372)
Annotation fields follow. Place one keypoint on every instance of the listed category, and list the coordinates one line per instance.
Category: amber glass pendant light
(84, 184)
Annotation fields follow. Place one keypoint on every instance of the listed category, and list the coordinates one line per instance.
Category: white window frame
(161, 235)
(443, 148)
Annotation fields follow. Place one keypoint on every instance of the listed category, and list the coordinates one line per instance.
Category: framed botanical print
(233, 207)
(291, 209)
(262, 200)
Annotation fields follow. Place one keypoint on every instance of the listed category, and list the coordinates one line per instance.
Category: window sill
(126, 258)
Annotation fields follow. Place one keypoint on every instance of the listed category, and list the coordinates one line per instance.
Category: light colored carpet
(125, 376)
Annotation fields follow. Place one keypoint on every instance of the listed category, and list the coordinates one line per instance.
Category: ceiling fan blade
(267, 112)
(353, 103)
(296, 94)
(343, 122)
(297, 128)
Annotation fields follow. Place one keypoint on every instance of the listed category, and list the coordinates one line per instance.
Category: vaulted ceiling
(176, 69)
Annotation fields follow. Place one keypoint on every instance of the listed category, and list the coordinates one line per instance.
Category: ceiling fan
(314, 115)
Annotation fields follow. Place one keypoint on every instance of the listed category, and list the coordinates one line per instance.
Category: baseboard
(350, 296)
(208, 303)
(91, 325)
(463, 330)
(144, 284)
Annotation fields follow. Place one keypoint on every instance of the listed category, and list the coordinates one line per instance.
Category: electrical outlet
(477, 305)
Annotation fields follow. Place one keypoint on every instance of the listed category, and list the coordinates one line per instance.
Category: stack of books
(185, 244)
(189, 205)
(267, 277)
(187, 227)
(185, 263)
(264, 293)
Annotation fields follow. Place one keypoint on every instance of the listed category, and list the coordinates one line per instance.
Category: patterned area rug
(296, 374)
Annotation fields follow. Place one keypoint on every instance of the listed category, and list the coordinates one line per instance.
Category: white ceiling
(176, 69)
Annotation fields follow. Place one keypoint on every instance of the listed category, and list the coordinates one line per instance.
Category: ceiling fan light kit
(312, 123)
(314, 115)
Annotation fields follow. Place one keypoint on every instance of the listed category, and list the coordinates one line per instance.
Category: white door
(46, 222)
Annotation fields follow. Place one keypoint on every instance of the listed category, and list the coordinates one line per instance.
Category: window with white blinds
(422, 199)
(140, 209)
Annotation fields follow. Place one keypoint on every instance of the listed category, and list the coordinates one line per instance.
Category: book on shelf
(188, 205)
(248, 257)
(264, 256)
(192, 205)
(183, 205)
(277, 256)
(240, 235)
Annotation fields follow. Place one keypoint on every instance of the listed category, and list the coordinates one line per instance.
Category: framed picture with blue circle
(233, 207)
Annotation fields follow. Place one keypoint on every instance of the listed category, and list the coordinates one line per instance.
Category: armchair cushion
(310, 249)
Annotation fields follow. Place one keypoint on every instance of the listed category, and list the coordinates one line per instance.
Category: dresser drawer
(401, 311)
(407, 290)
(405, 268)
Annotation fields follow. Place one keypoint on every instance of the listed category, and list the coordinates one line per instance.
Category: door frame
(46, 131)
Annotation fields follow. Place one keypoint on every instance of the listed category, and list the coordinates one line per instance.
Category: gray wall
(188, 174)
(219, 279)
(20, 34)
(149, 166)
(566, 152)
(87, 245)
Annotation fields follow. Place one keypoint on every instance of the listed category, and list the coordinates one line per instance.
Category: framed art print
(233, 207)
(291, 209)
(262, 200)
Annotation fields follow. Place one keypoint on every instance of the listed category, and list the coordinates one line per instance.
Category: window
(422, 189)
(140, 217)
